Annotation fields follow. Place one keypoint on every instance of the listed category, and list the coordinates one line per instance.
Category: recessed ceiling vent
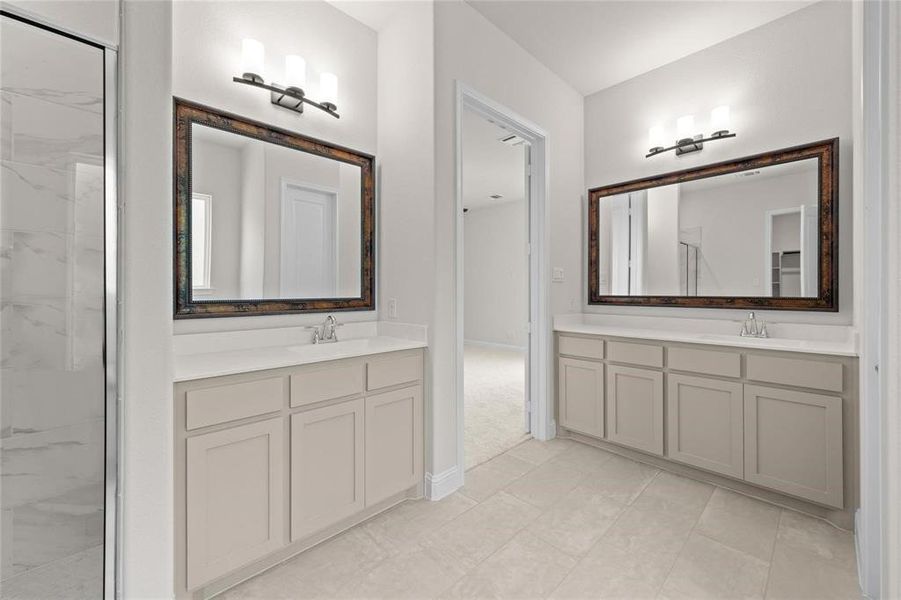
(512, 140)
(495, 196)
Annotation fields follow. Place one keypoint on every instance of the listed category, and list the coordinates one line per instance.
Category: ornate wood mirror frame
(826, 152)
(186, 306)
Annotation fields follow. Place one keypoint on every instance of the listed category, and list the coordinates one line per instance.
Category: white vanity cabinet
(778, 420)
(271, 462)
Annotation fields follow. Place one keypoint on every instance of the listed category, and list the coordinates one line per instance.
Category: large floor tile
(741, 523)
(405, 525)
(620, 479)
(278, 583)
(526, 567)
(537, 452)
(817, 537)
(669, 492)
(709, 570)
(330, 565)
(546, 484)
(799, 575)
(491, 477)
(649, 532)
(417, 574)
(584, 457)
(574, 524)
(480, 532)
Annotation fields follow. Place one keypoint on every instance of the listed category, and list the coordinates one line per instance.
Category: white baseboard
(496, 345)
(443, 484)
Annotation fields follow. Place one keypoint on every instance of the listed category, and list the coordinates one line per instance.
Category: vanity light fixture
(290, 95)
(686, 140)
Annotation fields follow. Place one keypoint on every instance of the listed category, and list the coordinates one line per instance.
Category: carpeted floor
(494, 391)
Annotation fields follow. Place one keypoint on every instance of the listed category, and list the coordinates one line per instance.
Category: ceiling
(490, 166)
(596, 44)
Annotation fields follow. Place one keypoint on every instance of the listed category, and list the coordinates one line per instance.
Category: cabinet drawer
(224, 403)
(816, 374)
(635, 354)
(709, 362)
(393, 370)
(582, 347)
(326, 382)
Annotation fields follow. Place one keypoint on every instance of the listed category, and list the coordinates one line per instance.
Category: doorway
(502, 323)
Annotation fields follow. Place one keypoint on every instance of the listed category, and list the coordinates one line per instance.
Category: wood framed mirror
(757, 232)
(268, 221)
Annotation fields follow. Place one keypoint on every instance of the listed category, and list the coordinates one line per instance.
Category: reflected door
(52, 324)
(308, 242)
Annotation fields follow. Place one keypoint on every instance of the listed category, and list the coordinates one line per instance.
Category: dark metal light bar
(290, 98)
(689, 144)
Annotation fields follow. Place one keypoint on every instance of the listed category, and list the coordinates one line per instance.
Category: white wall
(788, 83)
(207, 43)
(146, 296)
(469, 49)
(95, 19)
(496, 294)
(662, 264)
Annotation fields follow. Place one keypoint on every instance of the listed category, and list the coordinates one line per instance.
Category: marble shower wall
(51, 301)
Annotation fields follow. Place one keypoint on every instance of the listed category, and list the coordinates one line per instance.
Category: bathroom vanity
(300, 442)
(773, 418)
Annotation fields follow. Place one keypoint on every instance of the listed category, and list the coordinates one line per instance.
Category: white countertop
(230, 362)
(833, 347)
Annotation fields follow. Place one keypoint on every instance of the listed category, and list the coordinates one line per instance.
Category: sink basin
(753, 341)
(329, 347)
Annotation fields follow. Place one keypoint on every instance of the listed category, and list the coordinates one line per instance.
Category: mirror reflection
(271, 222)
(746, 233)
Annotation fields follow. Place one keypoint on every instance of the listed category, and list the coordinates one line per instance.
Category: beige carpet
(494, 392)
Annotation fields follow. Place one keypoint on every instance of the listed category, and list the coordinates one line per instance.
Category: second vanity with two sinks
(774, 417)
(302, 440)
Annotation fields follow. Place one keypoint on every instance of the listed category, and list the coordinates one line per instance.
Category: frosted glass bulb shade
(685, 127)
(295, 71)
(328, 88)
(719, 119)
(253, 57)
(656, 137)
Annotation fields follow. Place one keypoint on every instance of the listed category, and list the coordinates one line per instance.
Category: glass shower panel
(51, 314)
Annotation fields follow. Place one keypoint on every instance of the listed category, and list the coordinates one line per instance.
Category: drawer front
(582, 347)
(709, 362)
(233, 401)
(816, 374)
(326, 382)
(393, 370)
(635, 354)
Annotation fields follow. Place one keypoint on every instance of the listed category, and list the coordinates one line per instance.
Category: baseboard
(443, 484)
(496, 345)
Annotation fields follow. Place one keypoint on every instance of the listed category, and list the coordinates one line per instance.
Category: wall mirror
(268, 221)
(757, 232)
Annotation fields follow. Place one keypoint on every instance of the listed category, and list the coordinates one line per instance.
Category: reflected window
(201, 217)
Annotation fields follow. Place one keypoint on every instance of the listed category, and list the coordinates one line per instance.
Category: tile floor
(494, 391)
(565, 520)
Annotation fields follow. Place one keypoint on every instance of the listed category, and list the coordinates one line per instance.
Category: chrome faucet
(327, 332)
(753, 328)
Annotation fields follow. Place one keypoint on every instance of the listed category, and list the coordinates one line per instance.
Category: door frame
(539, 339)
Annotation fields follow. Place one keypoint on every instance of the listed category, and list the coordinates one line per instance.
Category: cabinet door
(635, 408)
(393, 442)
(581, 395)
(705, 422)
(326, 466)
(235, 498)
(793, 443)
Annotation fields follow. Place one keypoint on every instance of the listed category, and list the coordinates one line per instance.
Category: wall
(95, 19)
(788, 82)
(146, 300)
(469, 49)
(662, 261)
(496, 275)
(207, 43)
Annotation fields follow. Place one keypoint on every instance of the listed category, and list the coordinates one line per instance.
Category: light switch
(557, 275)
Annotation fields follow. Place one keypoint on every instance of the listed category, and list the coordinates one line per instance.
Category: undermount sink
(340, 345)
(753, 340)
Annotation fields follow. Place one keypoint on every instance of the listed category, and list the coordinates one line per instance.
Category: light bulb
(295, 71)
(719, 120)
(656, 137)
(252, 58)
(328, 88)
(685, 127)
